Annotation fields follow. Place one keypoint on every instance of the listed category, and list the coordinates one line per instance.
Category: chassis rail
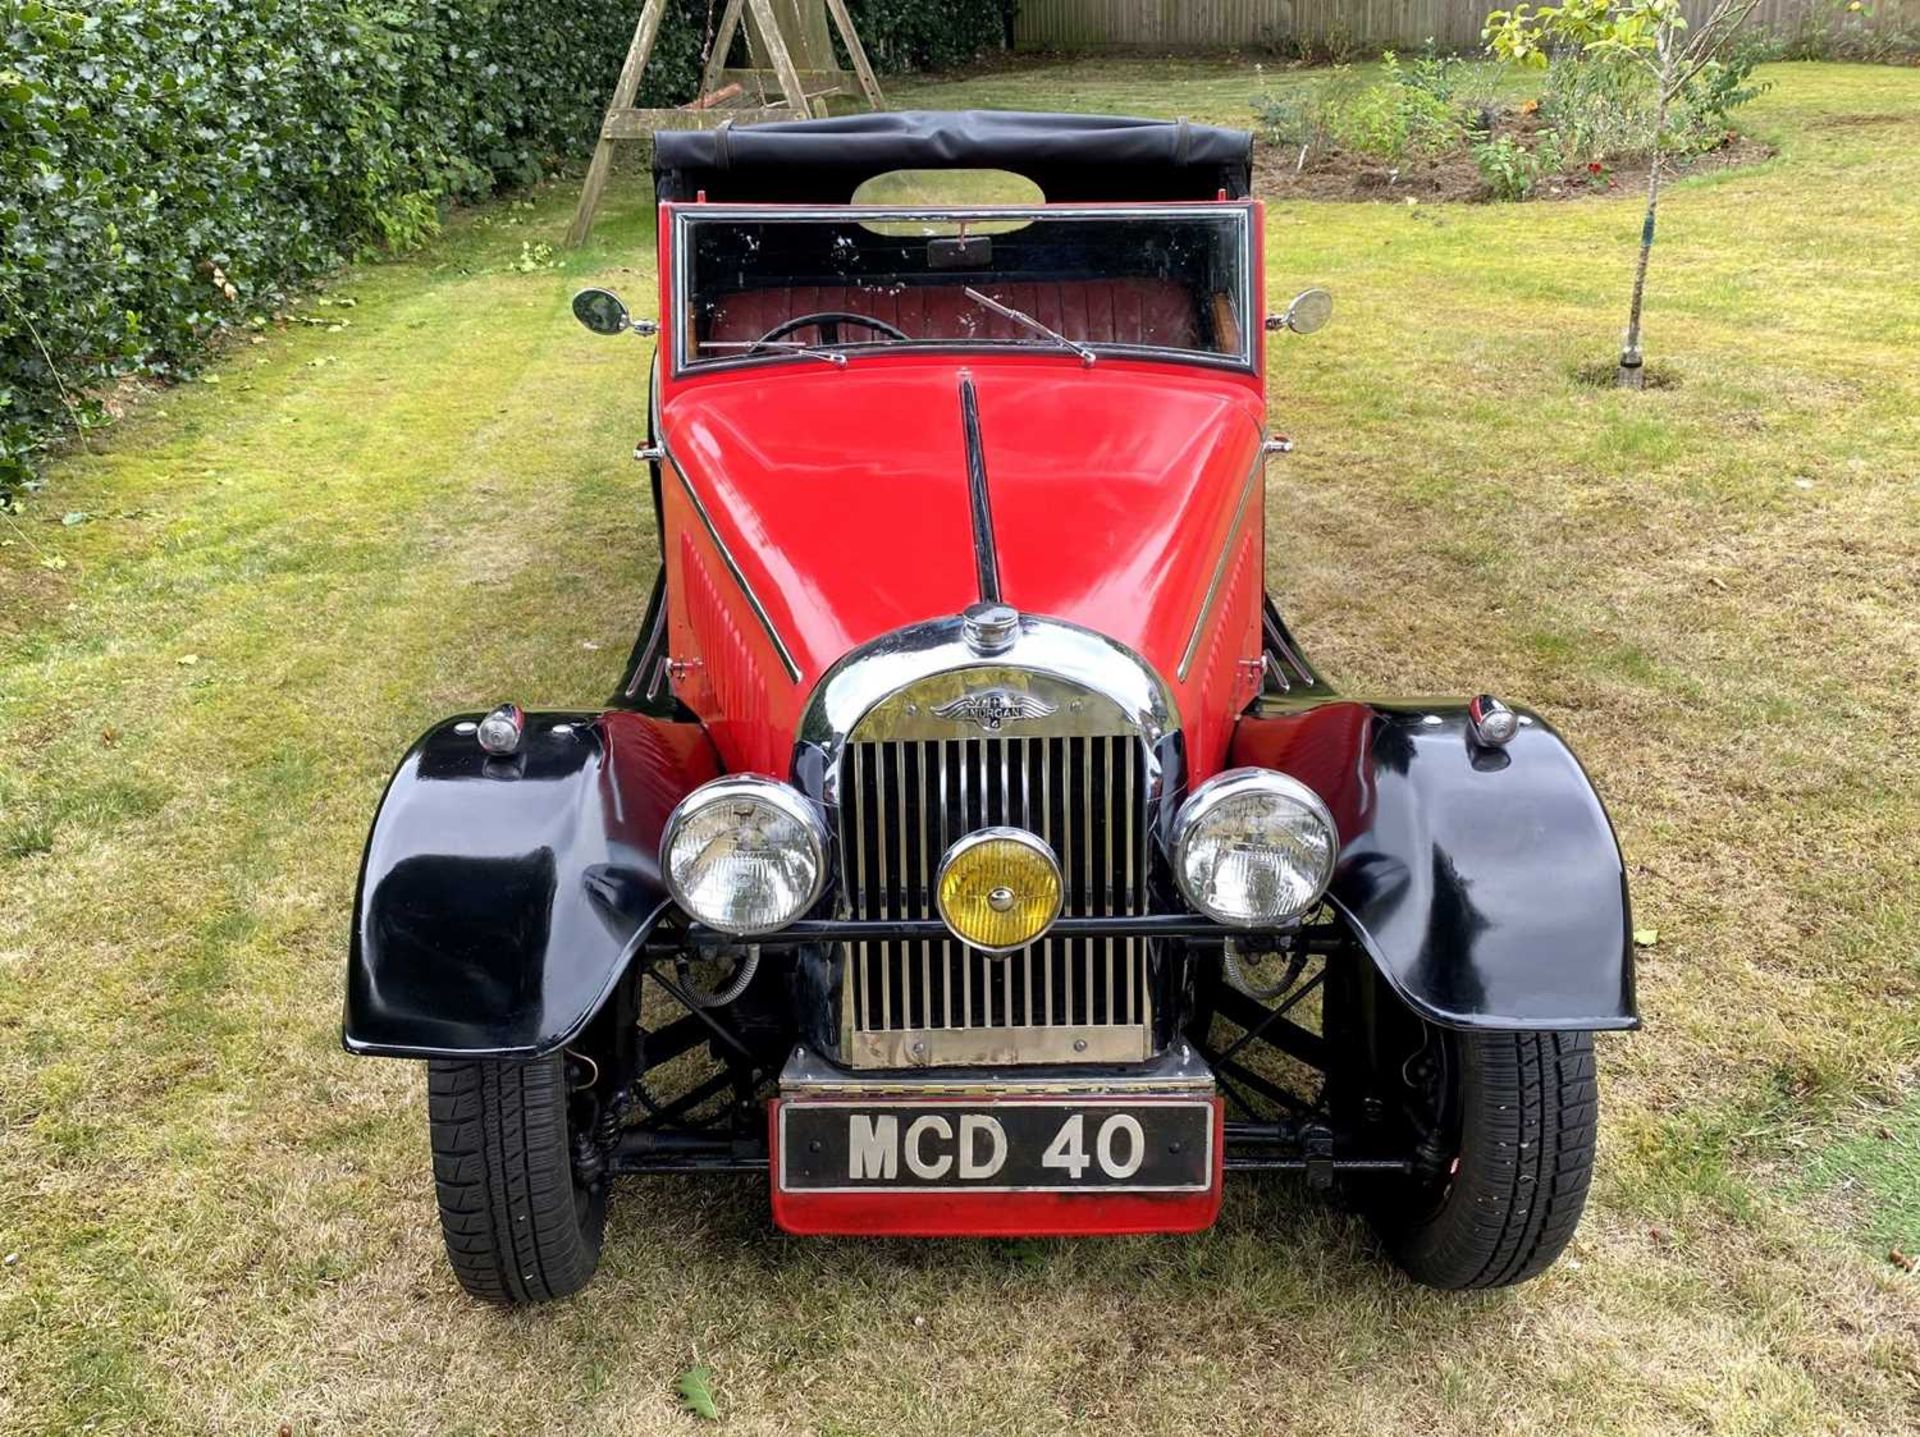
(1274, 1130)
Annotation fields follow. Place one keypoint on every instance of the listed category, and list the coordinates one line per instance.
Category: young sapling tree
(1651, 34)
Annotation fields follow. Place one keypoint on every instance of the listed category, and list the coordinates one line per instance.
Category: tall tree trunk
(1631, 375)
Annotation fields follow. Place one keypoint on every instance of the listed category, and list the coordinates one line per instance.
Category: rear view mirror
(960, 252)
(602, 311)
(1310, 310)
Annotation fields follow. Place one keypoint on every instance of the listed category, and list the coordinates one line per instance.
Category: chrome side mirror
(604, 312)
(1310, 310)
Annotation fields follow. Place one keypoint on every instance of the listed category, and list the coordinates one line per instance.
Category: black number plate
(1012, 1145)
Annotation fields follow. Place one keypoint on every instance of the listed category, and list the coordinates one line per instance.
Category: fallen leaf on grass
(1905, 1261)
(1646, 937)
(696, 1390)
(1030, 1253)
(187, 661)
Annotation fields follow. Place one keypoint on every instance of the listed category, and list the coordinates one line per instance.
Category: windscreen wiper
(785, 346)
(1007, 311)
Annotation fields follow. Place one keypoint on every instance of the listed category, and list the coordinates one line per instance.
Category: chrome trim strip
(926, 860)
(986, 557)
(653, 670)
(1177, 1069)
(1087, 899)
(1049, 651)
(1026, 816)
(946, 948)
(859, 1005)
(1220, 568)
(1108, 879)
(1144, 209)
(660, 620)
(883, 897)
(733, 568)
(1046, 832)
(991, 1045)
(974, 349)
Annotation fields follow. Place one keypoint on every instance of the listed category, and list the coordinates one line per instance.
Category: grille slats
(905, 802)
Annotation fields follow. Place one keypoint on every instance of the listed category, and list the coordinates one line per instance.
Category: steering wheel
(830, 321)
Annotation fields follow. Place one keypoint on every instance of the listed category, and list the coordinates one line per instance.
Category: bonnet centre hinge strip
(986, 558)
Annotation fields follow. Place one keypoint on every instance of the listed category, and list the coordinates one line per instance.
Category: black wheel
(519, 1225)
(1506, 1135)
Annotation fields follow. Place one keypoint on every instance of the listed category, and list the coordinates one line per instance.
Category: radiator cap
(990, 628)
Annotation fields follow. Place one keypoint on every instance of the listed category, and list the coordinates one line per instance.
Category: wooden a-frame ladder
(743, 101)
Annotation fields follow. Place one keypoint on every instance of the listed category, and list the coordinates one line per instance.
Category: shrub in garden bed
(1427, 107)
(1440, 118)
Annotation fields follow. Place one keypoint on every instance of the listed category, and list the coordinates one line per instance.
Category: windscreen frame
(1238, 213)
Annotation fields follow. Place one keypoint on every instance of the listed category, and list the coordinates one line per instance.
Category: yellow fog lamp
(999, 889)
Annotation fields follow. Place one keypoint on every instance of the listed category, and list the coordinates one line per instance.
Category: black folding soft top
(1071, 157)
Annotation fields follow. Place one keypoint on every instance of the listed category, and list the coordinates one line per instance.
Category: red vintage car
(969, 847)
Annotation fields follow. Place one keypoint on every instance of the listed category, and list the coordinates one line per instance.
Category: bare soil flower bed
(1346, 175)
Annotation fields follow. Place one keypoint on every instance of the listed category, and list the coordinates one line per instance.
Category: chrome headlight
(1253, 848)
(745, 855)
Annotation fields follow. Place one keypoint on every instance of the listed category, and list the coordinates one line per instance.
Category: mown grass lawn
(214, 1221)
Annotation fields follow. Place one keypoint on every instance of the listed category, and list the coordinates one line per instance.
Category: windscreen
(1173, 280)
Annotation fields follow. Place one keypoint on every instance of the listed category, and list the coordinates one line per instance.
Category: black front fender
(1486, 884)
(500, 898)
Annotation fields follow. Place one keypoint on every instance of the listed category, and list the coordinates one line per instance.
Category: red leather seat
(1095, 311)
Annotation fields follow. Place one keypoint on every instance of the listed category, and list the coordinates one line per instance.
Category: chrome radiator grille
(914, 1003)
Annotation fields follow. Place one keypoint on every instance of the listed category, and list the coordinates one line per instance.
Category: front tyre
(519, 1225)
(1509, 1157)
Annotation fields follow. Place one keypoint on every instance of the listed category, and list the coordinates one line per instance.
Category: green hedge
(931, 34)
(169, 167)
